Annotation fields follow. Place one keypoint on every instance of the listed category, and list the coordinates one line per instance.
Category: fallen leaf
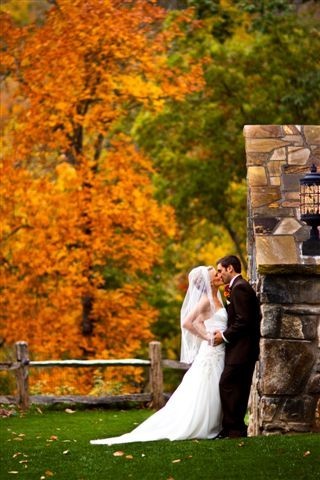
(16, 454)
(18, 439)
(241, 444)
(65, 452)
(307, 453)
(13, 471)
(5, 413)
(23, 461)
(177, 460)
(48, 473)
(129, 457)
(118, 453)
(68, 410)
(39, 410)
(53, 437)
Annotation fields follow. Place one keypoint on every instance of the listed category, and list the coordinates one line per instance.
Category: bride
(194, 409)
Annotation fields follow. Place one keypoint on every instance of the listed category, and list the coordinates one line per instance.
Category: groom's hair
(230, 260)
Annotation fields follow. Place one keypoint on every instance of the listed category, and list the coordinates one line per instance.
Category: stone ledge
(263, 131)
(285, 269)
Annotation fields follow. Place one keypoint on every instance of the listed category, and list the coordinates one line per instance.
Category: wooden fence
(155, 364)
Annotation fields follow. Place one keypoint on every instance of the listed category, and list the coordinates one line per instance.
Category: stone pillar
(286, 387)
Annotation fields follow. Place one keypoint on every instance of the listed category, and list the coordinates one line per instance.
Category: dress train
(194, 409)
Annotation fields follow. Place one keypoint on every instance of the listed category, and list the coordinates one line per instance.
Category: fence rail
(155, 363)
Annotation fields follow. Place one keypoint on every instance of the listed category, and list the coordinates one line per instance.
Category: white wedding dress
(194, 409)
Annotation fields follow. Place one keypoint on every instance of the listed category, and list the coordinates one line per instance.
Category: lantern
(310, 209)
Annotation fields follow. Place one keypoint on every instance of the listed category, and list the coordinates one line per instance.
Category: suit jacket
(243, 327)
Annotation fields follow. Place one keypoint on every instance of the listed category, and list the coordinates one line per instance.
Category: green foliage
(198, 146)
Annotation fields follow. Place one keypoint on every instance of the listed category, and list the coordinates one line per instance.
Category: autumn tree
(82, 229)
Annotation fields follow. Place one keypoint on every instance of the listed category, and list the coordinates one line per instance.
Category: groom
(241, 338)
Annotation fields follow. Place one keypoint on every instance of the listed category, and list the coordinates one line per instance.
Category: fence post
(156, 375)
(22, 373)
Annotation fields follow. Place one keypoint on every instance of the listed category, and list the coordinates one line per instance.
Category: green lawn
(55, 444)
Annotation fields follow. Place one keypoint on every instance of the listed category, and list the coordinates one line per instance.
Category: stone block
(257, 176)
(276, 250)
(281, 322)
(275, 181)
(316, 424)
(298, 409)
(257, 158)
(302, 234)
(274, 167)
(312, 134)
(292, 129)
(271, 320)
(268, 408)
(274, 428)
(290, 289)
(298, 156)
(298, 427)
(275, 205)
(261, 196)
(297, 326)
(279, 154)
(264, 145)
(290, 182)
(287, 226)
(262, 131)
(296, 169)
(264, 225)
(313, 386)
(285, 366)
(296, 140)
(291, 203)
(315, 154)
(291, 327)
(266, 211)
(292, 197)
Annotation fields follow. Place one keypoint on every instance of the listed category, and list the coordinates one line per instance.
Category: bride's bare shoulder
(204, 303)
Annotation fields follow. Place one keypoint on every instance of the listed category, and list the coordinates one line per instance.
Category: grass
(55, 445)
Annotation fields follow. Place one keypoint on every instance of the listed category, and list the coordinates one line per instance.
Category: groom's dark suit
(242, 350)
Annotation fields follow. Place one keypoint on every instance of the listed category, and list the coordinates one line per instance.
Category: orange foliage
(81, 228)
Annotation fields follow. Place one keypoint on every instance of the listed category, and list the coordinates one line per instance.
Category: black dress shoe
(221, 435)
(238, 433)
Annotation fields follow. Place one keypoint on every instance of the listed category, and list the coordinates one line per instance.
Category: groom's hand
(217, 338)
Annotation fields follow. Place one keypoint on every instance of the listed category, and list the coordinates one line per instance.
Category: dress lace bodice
(218, 321)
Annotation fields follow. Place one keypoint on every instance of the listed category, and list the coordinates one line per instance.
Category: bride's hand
(210, 338)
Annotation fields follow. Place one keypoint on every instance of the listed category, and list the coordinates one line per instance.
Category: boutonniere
(227, 293)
